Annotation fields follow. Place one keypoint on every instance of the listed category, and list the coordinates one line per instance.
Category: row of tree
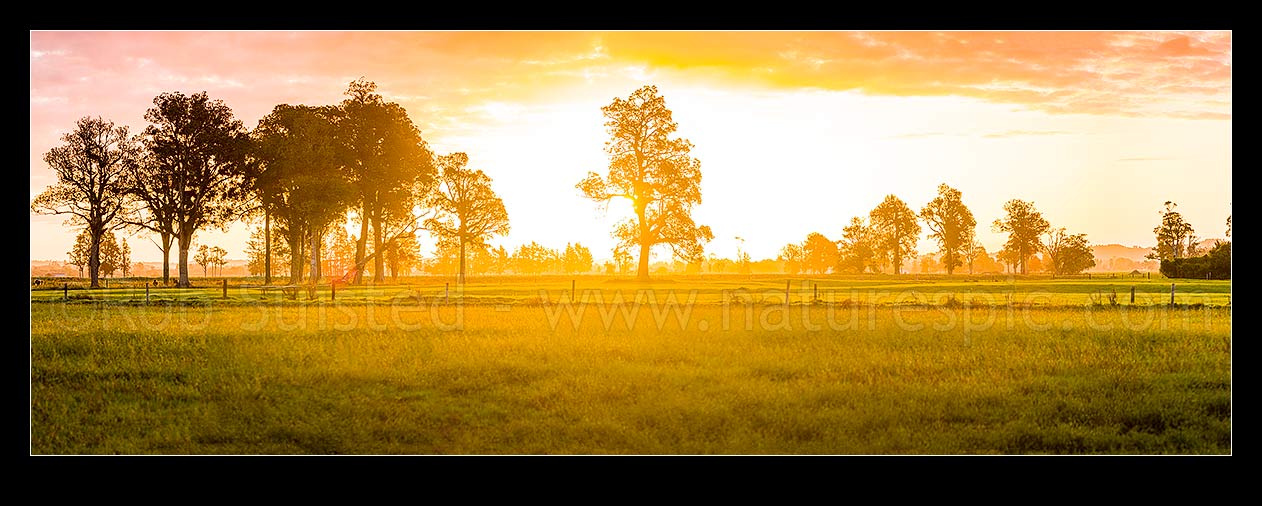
(403, 256)
(889, 236)
(115, 255)
(304, 169)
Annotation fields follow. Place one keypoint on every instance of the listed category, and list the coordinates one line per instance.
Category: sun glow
(796, 132)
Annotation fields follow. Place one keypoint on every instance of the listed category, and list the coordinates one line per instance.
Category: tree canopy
(655, 172)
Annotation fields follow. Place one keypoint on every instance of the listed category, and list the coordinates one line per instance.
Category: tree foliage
(1216, 264)
(793, 258)
(577, 259)
(1068, 253)
(468, 210)
(895, 231)
(819, 253)
(1024, 224)
(653, 171)
(93, 165)
(951, 223)
(856, 249)
(299, 178)
(198, 144)
(388, 164)
(1175, 237)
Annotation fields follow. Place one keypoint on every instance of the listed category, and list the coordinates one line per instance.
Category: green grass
(879, 289)
(378, 373)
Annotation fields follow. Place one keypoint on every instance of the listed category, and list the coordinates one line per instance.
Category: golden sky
(796, 131)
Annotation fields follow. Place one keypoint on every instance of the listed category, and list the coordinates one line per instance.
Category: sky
(796, 131)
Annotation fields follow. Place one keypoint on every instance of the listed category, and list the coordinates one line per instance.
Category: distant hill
(1119, 258)
(1106, 251)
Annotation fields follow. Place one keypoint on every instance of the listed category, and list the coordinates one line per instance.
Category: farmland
(684, 365)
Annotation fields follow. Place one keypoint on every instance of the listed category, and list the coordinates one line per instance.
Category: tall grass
(377, 379)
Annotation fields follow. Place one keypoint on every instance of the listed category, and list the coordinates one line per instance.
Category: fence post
(1132, 294)
(815, 290)
(572, 281)
(65, 291)
(786, 292)
(146, 293)
(225, 288)
(1171, 294)
(446, 292)
(333, 289)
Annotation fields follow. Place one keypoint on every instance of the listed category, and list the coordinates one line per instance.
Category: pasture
(682, 365)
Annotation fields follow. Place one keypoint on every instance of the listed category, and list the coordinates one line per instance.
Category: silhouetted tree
(534, 259)
(299, 180)
(1068, 253)
(1024, 225)
(113, 258)
(818, 253)
(80, 252)
(469, 211)
(1175, 237)
(577, 259)
(793, 257)
(895, 230)
(951, 223)
(157, 198)
(402, 253)
(124, 258)
(218, 258)
(856, 249)
(656, 173)
(203, 257)
(256, 252)
(388, 164)
(198, 144)
(93, 167)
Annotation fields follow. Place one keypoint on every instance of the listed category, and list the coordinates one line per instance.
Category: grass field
(871, 366)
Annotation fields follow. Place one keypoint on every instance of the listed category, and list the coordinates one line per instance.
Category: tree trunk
(379, 261)
(317, 265)
(461, 279)
(267, 248)
(359, 246)
(167, 239)
(313, 252)
(295, 260)
(642, 272)
(94, 257)
(186, 241)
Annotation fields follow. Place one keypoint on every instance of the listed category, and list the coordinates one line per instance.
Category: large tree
(653, 171)
(388, 164)
(1068, 253)
(951, 224)
(818, 253)
(1024, 224)
(93, 167)
(156, 197)
(1175, 237)
(202, 149)
(895, 230)
(469, 211)
(856, 249)
(299, 180)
